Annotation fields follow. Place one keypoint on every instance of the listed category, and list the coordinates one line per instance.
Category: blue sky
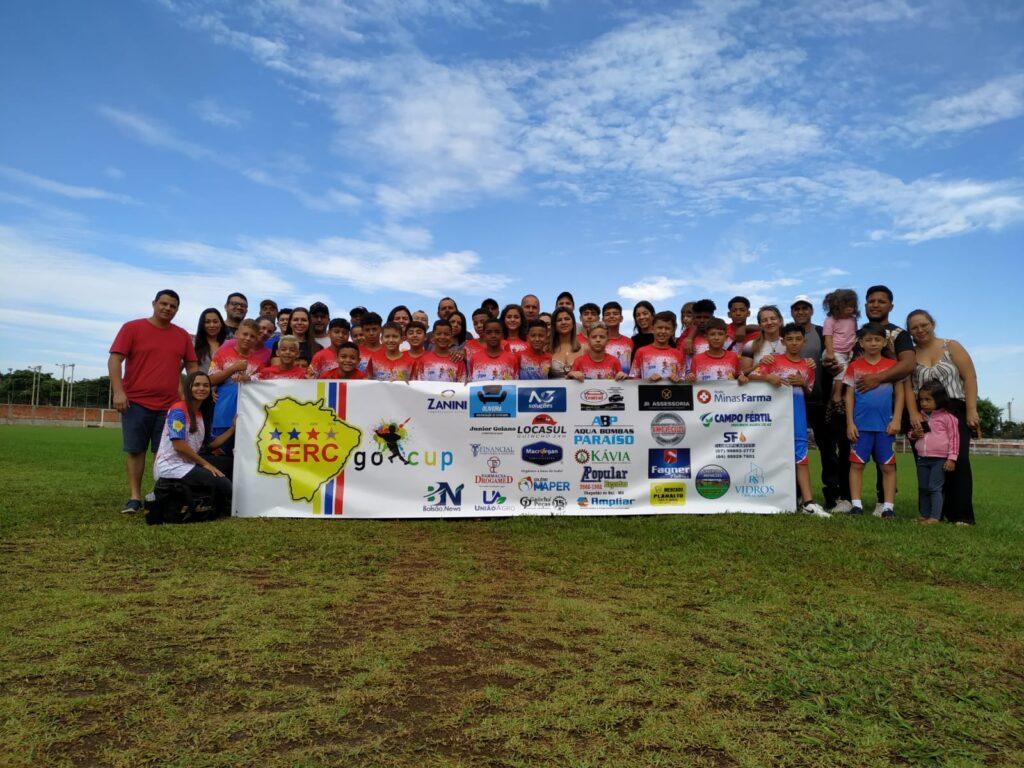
(382, 151)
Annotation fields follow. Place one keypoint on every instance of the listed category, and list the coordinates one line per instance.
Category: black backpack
(175, 502)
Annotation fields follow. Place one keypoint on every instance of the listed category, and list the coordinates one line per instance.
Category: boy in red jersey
(389, 363)
(472, 346)
(618, 346)
(288, 367)
(371, 326)
(437, 364)
(493, 362)
(659, 360)
(794, 371)
(738, 332)
(692, 341)
(717, 362)
(590, 313)
(535, 362)
(416, 336)
(326, 359)
(594, 363)
(348, 363)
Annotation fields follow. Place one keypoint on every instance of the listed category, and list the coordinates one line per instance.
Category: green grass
(661, 641)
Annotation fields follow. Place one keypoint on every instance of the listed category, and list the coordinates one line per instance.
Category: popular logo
(668, 429)
(492, 401)
(754, 485)
(668, 494)
(665, 397)
(441, 497)
(668, 463)
(542, 453)
(712, 481)
(542, 399)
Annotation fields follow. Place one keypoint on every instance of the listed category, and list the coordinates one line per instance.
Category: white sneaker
(842, 507)
(878, 510)
(814, 509)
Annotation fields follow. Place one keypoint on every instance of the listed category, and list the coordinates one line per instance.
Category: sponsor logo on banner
(447, 400)
(542, 425)
(494, 401)
(479, 449)
(531, 484)
(759, 419)
(668, 494)
(603, 479)
(668, 429)
(668, 463)
(395, 447)
(603, 430)
(494, 501)
(493, 476)
(542, 399)
(603, 501)
(665, 397)
(705, 396)
(542, 453)
(712, 481)
(491, 429)
(754, 484)
(601, 456)
(441, 497)
(557, 503)
(735, 445)
(610, 399)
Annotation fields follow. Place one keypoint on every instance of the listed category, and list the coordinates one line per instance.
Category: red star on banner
(312, 434)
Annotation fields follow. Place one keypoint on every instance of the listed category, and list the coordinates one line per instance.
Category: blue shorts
(877, 445)
(140, 426)
(800, 443)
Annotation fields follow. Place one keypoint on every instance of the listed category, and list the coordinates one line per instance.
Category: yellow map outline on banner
(306, 442)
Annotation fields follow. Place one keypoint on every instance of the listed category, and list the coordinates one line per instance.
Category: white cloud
(59, 188)
(997, 100)
(113, 172)
(211, 111)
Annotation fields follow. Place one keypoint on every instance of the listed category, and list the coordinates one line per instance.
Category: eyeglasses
(241, 304)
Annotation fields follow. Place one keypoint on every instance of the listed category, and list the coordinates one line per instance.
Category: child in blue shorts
(872, 419)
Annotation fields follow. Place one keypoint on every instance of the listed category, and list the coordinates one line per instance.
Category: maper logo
(492, 401)
(668, 463)
(542, 399)
(441, 497)
(542, 424)
(668, 429)
(754, 485)
(447, 400)
(530, 484)
(542, 453)
(665, 397)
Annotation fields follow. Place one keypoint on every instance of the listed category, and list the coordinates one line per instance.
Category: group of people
(856, 385)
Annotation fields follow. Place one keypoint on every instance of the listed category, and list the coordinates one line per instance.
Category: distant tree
(988, 417)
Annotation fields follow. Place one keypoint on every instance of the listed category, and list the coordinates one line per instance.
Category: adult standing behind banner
(235, 307)
(153, 351)
(769, 344)
(946, 361)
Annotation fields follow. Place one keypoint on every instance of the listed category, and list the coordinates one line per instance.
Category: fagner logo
(703, 396)
(543, 424)
(754, 484)
(447, 400)
(665, 397)
(492, 401)
(542, 399)
(441, 497)
(668, 429)
(542, 453)
(668, 463)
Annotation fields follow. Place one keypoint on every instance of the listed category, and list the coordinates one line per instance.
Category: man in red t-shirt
(153, 351)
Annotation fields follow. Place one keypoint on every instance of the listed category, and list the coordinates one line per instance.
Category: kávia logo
(492, 401)
(542, 399)
(542, 425)
(441, 497)
(754, 485)
(601, 456)
(447, 400)
(542, 453)
(668, 463)
(668, 429)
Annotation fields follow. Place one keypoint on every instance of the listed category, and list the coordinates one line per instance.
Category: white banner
(376, 450)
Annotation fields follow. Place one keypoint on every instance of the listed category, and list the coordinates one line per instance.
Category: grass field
(665, 641)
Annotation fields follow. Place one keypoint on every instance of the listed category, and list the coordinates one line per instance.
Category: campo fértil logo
(305, 442)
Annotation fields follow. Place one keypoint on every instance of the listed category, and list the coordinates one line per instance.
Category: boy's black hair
(565, 295)
(416, 324)
(611, 305)
(174, 295)
(538, 323)
(443, 323)
(339, 322)
(391, 327)
(589, 307)
(348, 345)
(494, 321)
(739, 299)
(480, 311)
(937, 391)
(372, 318)
(716, 323)
(356, 312)
(284, 311)
(872, 329)
(489, 302)
(319, 308)
(879, 289)
(704, 306)
(665, 317)
(789, 328)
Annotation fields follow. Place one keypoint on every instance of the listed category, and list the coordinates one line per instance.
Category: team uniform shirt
(621, 348)
(153, 359)
(364, 356)
(783, 367)
(227, 391)
(581, 337)
(650, 360)
(730, 337)
(324, 361)
(472, 347)
(336, 374)
(872, 412)
(504, 367)
(608, 368)
(534, 366)
(381, 368)
(434, 367)
(261, 353)
(708, 368)
(700, 344)
(271, 372)
(515, 346)
(168, 463)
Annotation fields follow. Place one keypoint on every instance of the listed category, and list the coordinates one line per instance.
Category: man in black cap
(319, 317)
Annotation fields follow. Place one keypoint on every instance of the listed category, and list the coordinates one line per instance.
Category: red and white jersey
(324, 361)
(336, 374)
(649, 360)
(533, 365)
(608, 368)
(621, 348)
(515, 346)
(483, 367)
(381, 368)
(364, 356)
(784, 367)
(732, 344)
(581, 337)
(700, 344)
(708, 368)
(434, 367)
(271, 372)
(225, 356)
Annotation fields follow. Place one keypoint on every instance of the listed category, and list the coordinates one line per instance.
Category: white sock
(856, 503)
(887, 505)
